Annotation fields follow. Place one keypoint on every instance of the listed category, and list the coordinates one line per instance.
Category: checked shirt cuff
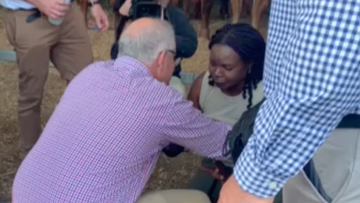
(256, 180)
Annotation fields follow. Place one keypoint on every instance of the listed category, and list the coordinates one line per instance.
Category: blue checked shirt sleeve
(312, 79)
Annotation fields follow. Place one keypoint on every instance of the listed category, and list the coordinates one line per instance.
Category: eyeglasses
(171, 52)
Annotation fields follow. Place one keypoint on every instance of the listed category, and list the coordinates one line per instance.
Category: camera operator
(185, 34)
(40, 31)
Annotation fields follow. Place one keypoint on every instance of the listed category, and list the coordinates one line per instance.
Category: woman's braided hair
(248, 43)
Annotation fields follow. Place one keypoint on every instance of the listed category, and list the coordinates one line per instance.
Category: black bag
(240, 134)
(242, 130)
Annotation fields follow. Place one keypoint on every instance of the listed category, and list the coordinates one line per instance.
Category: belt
(36, 15)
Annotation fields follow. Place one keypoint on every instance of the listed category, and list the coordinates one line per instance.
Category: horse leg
(247, 7)
(206, 6)
(236, 9)
(258, 11)
(197, 10)
(224, 9)
(175, 3)
(186, 7)
(112, 3)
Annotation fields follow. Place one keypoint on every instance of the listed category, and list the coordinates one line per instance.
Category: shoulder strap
(242, 130)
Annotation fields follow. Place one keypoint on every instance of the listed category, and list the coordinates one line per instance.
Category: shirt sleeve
(188, 127)
(307, 96)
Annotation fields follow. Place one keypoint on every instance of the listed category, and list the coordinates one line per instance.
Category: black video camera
(146, 8)
(139, 9)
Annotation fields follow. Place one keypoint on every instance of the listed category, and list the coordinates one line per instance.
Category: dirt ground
(169, 173)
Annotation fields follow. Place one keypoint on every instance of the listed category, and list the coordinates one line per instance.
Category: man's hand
(100, 17)
(231, 192)
(52, 8)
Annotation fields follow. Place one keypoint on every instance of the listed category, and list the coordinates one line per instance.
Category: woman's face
(226, 67)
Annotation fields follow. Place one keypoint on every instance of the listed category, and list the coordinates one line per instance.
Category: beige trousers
(337, 163)
(174, 196)
(36, 43)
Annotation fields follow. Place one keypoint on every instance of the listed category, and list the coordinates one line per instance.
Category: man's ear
(161, 60)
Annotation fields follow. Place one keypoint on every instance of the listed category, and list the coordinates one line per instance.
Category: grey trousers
(335, 175)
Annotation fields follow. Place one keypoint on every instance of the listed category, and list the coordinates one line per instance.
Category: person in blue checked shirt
(307, 134)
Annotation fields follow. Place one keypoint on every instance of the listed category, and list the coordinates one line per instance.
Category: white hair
(146, 45)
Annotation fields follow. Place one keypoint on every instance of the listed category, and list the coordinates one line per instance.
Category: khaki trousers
(36, 43)
(174, 196)
(337, 163)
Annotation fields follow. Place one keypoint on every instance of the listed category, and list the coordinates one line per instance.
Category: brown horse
(204, 7)
(258, 11)
(238, 7)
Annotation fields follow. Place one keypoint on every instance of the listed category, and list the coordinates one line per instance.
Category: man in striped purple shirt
(105, 136)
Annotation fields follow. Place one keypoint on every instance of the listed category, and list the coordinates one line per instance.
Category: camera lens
(145, 11)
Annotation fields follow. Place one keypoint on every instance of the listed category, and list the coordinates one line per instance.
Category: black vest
(243, 129)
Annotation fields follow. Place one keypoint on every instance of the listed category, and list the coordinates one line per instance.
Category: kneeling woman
(231, 86)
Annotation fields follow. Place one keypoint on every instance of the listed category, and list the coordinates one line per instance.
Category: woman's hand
(125, 8)
(214, 173)
(220, 172)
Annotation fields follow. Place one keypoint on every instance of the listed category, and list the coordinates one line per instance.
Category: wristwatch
(92, 3)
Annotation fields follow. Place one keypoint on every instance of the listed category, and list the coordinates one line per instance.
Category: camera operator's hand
(100, 17)
(52, 8)
(164, 3)
(125, 8)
